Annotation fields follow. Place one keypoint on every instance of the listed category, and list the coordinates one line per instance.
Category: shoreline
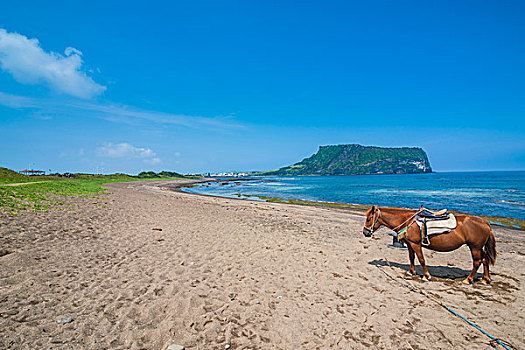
(147, 267)
(513, 223)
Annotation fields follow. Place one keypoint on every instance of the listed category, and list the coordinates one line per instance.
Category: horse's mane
(397, 209)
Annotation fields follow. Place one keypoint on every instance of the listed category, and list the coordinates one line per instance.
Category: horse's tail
(489, 249)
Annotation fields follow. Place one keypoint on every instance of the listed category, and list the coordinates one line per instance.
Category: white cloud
(28, 63)
(126, 150)
(17, 102)
(129, 114)
(69, 50)
(116, 113)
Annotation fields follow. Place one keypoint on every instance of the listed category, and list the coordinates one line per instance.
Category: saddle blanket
(435, 227)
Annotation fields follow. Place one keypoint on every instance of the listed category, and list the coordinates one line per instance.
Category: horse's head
(373, 221)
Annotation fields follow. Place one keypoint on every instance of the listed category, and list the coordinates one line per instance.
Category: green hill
(359, 160)
(162, 174)
(10, 176)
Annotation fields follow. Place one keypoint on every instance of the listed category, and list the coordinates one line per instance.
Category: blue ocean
(479, 193)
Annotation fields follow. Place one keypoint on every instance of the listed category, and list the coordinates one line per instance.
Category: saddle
(434, 215)
(434, 223)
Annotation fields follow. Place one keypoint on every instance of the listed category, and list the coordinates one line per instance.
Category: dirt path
(23, 183)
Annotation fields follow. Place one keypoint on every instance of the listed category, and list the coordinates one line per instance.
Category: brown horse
(473, 231)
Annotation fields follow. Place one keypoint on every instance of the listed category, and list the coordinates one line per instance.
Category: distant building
(230, 174)
(32, 172)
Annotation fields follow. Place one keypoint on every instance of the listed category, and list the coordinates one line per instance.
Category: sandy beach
(145, 267)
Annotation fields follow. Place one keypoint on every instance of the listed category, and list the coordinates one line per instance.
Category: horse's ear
(374, 208)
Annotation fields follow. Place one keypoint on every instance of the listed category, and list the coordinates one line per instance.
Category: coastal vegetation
(495, 220)
(307, 202)
(10, 176)
(356, 159)
(22, 192)
(504, 221)
(164, 175)
(35, 193)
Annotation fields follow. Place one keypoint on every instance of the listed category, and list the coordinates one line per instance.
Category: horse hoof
(425, 278)
(467, 281)
(485, 281)
(409, 274)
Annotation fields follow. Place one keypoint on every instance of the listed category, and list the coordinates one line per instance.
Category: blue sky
(196, 86)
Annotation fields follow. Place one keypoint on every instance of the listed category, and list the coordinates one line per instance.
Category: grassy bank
(44, 192)
(50, 193)
(495, 220)
(504, 221)
(284, 200)
(311, 203)
(8, 176)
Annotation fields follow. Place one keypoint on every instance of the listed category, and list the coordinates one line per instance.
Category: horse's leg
(411, 257)
(476, 261)
(486, 272)
(419, 252)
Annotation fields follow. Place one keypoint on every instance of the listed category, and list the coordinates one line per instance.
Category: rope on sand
(413, 288)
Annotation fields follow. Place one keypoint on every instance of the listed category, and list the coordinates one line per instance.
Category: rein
(402, 231)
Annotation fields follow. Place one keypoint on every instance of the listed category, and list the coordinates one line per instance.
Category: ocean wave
(514, 191)
(494, 195)
(292, 188)
(519, 204)
(423, 193)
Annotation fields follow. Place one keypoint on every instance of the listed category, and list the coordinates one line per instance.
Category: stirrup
(393, 234)
(425, 241)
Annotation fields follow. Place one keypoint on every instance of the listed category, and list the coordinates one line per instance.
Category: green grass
(54, 192)
(503, 221)
(312, 203)
(497, 220)
(44, 195)
(8, 176)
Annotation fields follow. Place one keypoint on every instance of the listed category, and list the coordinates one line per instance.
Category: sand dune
(234, 273)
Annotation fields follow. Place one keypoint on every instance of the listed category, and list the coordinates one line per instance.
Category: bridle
(377, 219)
(374, 221)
